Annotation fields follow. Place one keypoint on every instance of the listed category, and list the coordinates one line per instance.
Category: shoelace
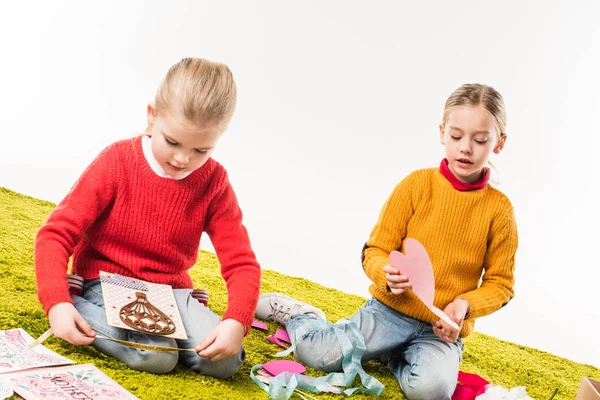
(281, 313)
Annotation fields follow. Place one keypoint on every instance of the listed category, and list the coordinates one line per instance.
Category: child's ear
(500, 144)
(442, 141)
(151, 113)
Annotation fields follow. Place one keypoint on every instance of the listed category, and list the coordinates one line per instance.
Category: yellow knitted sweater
(470, 236)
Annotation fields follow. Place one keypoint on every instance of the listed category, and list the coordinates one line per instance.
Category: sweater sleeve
(57, 238)
(389, 231)
(239, 266)
(496, 287)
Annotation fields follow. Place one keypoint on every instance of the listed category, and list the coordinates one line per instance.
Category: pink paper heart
(416, 265)
(279, 366)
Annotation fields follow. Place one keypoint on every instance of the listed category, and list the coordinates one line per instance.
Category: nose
(465, 146)
(181, 157)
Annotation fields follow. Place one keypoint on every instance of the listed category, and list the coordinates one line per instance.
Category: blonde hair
(474, 94)
(200, 90)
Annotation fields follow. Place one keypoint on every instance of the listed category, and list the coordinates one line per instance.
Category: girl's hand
(397, 283)
(224, 341)
(68, 324)
(456, 311)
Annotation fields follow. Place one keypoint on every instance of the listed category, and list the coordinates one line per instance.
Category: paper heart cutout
(416, 265)
(279, 366)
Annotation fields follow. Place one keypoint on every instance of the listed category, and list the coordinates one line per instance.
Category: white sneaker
(279, 308)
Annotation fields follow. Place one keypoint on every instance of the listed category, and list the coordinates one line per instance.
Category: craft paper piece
(264, 379)
(279, 337)
(73, 382)
(141, 306)
(416, 265)
(260, 325)
(15, 355)
(264, 373)
(279, 366)
(275, 340)
(282, 335)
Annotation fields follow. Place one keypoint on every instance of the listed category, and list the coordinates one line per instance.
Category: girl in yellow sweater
(469, 231)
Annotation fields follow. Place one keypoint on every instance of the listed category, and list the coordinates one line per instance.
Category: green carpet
(502, 363)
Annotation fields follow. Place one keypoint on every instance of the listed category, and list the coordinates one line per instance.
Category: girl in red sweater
(139, 210)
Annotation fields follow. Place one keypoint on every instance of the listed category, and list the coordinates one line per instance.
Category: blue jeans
(425, 366)
(198, 321)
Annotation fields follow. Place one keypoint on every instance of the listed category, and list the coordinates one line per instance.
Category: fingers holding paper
(223, 342)
(397, 283)
(68, 324)
(448, 329)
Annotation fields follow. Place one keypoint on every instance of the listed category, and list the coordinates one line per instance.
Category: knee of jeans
(433, 386)
(153, 362)
(221, 369)
(326, 359)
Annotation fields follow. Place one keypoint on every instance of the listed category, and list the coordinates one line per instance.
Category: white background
(338, 101)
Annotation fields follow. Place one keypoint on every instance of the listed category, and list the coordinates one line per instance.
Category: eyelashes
(457, 138)
(174, 144)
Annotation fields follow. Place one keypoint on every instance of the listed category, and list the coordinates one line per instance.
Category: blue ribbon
(282, 386)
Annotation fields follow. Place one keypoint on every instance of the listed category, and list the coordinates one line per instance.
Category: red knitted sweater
(121, 217)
